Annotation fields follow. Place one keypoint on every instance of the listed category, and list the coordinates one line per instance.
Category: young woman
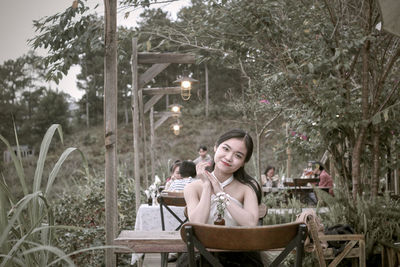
(175, 174)
(225, 174)
(269, 178)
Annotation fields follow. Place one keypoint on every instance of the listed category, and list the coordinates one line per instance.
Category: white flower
(147, 193)
(157, 180)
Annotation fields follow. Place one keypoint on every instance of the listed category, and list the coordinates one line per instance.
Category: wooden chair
(350, 250)
(171, 199)
(262, 212)
(166, 200)
(208, 238)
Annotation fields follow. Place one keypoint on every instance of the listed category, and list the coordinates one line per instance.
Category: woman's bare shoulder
(195, 185)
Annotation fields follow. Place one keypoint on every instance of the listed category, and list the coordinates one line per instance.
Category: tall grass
(28, 225)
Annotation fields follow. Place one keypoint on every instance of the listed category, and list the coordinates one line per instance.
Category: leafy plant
(82, 205)
(28, 236)
(377, 219)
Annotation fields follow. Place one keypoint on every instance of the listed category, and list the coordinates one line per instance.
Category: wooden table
(148, 222)
(149, 242)
(301, 181)
(300, 191)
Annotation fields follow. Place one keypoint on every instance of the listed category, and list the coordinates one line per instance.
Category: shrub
(83, 205)
(27, 237)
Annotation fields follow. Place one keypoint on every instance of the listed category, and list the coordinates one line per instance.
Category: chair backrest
(210, 237)
(173, 193)
(171, 200)
(262, 212)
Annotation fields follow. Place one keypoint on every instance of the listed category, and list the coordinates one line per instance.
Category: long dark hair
(269, 168)
(241, 175)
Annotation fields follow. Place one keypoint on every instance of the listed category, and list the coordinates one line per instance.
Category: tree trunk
(110, 127)
(359, 143)
(206, 74)
(258, 154)
(87, 109)
(356, 162)
(376, 165)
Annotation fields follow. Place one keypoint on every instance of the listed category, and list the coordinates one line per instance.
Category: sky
(16, 27)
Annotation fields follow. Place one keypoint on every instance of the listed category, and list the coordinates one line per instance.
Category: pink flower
(304, 137)
(293, 133)
(264, 101)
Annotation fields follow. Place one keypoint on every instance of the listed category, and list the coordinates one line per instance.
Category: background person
(174, 174)
(269, 178)
(325, 180)
(187, 171)
(203, 155)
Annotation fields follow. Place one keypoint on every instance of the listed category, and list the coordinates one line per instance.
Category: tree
(316, 59)
(52, 108)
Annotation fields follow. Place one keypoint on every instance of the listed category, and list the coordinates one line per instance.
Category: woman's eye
(238, 156)
(225, 148)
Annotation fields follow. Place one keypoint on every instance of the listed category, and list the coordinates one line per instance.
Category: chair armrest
(341, 237)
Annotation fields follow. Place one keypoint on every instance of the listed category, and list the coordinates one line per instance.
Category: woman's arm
(198, 201)
(248, 215)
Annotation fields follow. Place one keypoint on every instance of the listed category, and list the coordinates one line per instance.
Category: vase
(219, 220)
(154, 199)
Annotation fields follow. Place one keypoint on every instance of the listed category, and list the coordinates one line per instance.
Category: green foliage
(377, 219)
(27, 237)
(69, 35)
(82, 205)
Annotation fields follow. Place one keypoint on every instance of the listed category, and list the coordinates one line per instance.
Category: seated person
(325, 180)
(269, 178)
(174, 174)
(203, 155)
(187, 171)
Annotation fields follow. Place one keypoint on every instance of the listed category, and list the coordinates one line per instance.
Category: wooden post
(206, 74)
(135, 121)
(110, 127)
(144, 146)
(152, 158)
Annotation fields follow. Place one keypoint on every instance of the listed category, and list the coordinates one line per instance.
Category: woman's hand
(202, 173)
(215, 184)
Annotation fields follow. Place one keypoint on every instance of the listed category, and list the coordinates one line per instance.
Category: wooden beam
(166, 58)
(153, 100)
(166, 113)
(151, 72)
(161, 120)
(135, 122)
(161, 90)
(152, 142)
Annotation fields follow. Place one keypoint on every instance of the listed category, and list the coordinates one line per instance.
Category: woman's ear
(215, 148)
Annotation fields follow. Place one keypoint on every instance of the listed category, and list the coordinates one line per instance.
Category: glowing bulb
(176, 127)
(186, 84)
(175, 109)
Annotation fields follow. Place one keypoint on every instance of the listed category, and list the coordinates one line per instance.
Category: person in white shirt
(187, 173)
(203, 156)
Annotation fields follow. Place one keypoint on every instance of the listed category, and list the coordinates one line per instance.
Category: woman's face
(176, 174)
(270, 172)
(230, 155)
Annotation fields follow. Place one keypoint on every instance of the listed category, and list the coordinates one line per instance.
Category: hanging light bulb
(186, 86)
(176, 128)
